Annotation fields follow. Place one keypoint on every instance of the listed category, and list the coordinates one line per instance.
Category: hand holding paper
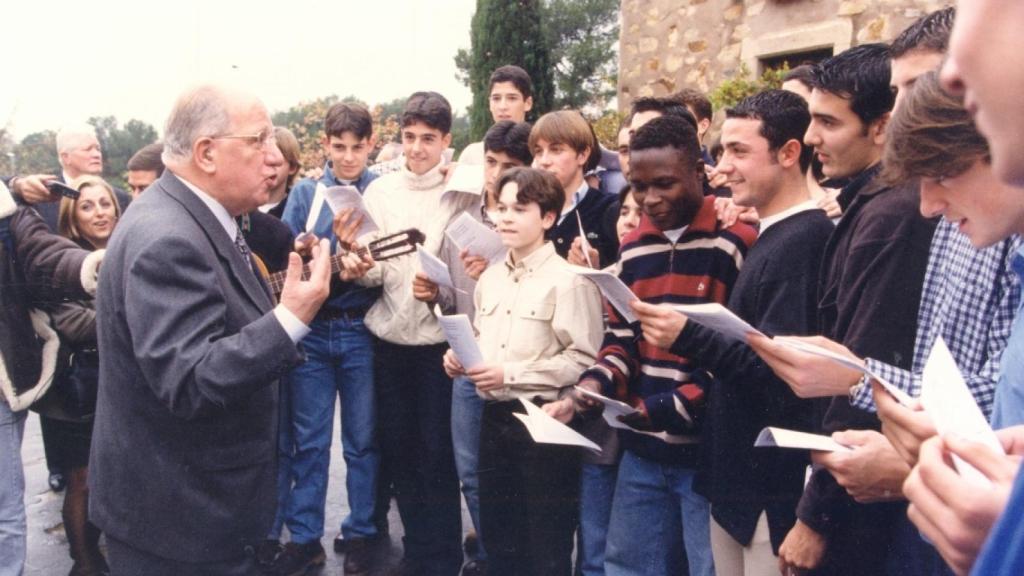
(459, 333)
(477, 239)
(435, 269)
(546, 430)
(614, 290)
(783, 438)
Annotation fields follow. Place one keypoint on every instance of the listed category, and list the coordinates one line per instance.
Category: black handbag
(79, 383)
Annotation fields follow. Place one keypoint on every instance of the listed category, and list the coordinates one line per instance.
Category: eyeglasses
(261, 139)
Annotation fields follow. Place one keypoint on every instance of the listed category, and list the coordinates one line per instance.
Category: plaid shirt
(970, 298)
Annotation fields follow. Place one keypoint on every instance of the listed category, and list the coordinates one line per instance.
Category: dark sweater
(869, 292)
(598, 212)
(776, 292)
(700, 267)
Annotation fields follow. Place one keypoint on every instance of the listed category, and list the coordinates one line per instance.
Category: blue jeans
(467, 408)
(339, 362)
(12, 492)
(597, 488)
(654, 508)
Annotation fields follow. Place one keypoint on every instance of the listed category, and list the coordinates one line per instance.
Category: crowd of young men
(192, 421)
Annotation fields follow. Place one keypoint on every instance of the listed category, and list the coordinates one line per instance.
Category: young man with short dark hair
(528, 490)
(754, 492)
(144, 167)
(339, 365)
(414, 395)
(510, 99)
(869, 294)
(680, 253)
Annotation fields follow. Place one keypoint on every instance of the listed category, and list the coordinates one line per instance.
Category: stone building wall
(668, 44)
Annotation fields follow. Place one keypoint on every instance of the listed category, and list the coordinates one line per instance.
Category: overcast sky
(68, 60)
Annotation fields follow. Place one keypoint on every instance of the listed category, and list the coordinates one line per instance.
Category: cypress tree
(507, 32)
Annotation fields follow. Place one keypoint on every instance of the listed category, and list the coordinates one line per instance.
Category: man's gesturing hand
(304, 297)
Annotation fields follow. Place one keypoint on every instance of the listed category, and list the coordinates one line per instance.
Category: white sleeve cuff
(295, 328)
(91, 271)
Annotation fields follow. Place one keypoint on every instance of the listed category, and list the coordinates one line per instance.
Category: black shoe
(471, 544)
(342, 544)
(359, 556)
(474, 568)
(57, 481)
(267, 553)
(297, 559)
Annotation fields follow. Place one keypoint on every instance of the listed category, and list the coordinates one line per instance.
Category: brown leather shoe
(359, 556)
(297, 559)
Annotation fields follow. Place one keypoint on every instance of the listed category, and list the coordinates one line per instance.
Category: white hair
(70, 137)
(200, 111)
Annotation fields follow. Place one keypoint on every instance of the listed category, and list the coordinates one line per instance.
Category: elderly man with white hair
(182, 471)
(79, 153)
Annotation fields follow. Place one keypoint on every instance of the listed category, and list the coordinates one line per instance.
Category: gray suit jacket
(184, 446)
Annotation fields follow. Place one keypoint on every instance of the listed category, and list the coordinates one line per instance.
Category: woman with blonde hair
(68, 409)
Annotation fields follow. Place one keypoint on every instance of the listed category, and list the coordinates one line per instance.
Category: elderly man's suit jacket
(184, 446)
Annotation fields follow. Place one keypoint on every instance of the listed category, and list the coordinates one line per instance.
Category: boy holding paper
(680, 254)
(505, 147)
(414, 395)
(539, 326)
(754, 491)
(339, 364)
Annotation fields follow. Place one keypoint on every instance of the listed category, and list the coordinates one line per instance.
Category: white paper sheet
(546, 430)
(614, 408)
(783, 438)
(584, 245)
(718, 318)
(459, 333)
(435, 269)
(467, 178)
(479, 240)
(342, 197)
(900, 396)
(949, 402)
(614, 290)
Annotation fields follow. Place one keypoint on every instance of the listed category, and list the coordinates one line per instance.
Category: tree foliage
(119, 144)
(580, 67)
(505, 32)
(37, 154)
(581, 35)
(729, 92)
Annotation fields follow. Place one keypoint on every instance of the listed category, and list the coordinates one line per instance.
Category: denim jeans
(339, 363)
(654, 509)
(12, 492)
(597, 488)
(467, 408)
(414, 397)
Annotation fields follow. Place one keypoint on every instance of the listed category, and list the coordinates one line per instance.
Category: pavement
(48, 547)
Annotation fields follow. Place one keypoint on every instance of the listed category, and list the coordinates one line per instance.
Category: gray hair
(69, 137)
(201, 111)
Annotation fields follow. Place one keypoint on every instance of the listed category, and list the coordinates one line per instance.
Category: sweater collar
(430, 179)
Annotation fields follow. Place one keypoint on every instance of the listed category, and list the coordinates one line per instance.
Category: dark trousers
(529, 496)
(414, 404)
(126, 560)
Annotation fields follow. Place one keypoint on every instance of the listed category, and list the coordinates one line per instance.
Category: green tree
(119, 144)
(505, 32)
(37, 154)
(581, 35)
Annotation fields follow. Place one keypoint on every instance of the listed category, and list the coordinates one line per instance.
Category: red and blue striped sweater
(700, 267)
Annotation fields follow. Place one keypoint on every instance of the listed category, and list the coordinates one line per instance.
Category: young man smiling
(414, 395)
(339, 364)
(510, 99)
(753, 492)
(680, 254)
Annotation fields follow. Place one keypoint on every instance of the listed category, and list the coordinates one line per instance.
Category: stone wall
(668, 44)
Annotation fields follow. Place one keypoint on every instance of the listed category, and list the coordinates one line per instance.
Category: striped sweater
(700, 267)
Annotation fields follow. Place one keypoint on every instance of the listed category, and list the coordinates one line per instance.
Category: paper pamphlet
(900, 396)
(584, 245)
(342, 197)
(478, 239)
(459, 334)
(435, 269)
(718, 318)
(783, 438)
(467, 178)
(614, 408)
(952, 407)
(546, 430)
(614, 290)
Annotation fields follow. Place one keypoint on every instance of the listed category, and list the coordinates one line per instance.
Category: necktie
(243, 247)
